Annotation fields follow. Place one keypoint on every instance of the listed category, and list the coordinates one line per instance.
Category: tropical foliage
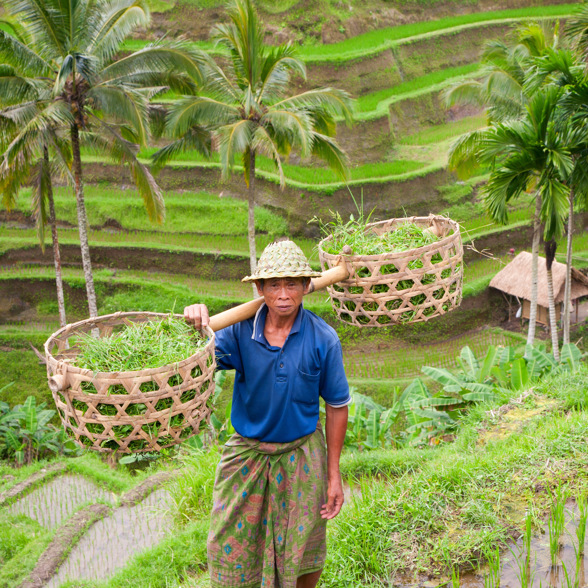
(529, 146)
(245, 107)
(64, 86)
(419, 416)
(26, 433)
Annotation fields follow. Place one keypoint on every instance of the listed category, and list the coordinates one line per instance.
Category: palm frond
(327, 149)
(198, 111)
(263, 143)
(295, 126)
(554, 206)
(196, 138)
(243, 36)
(125, 105)
(503, 185)
(162, 58)
(279, 64)
(25, 59)
(464, 152)
(118, 20)
(334, 101)
(577, 29)
(233, 139)
(14, 88)
(464, 92)
(122, 151)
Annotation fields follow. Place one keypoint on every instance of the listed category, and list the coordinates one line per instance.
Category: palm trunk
(550, 247)
(568, 286)
(251, 218)
(56, 252)
(83, 220)
(534, 273)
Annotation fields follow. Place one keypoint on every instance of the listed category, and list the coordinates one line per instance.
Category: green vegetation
(356, 234)
(194, 212)
(375, 42)
(139, 346)
(26, 435)
(377, 103)
(439, 133)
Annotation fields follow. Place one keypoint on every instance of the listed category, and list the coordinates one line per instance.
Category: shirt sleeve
(228, 355)
(334, 388)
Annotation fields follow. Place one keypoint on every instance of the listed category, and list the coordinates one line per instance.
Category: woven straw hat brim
(266, 275)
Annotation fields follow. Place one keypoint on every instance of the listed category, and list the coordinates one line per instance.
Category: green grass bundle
(364, 241)
(140, 346)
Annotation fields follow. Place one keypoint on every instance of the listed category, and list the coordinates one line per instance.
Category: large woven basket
(402, 287)
(134, 411)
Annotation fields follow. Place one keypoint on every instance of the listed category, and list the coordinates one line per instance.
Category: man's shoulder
(323, 331)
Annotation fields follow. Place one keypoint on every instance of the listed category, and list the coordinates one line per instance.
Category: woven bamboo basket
(401, 287)
(134, 411)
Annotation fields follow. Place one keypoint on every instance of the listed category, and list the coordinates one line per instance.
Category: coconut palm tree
(100, 100)
(530, 154)
(33, 160)
(245, 107)
(500, 87)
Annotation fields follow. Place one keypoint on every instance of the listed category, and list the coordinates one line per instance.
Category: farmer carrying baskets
(278, 483)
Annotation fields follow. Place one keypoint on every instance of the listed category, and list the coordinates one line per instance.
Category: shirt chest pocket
(306, 387)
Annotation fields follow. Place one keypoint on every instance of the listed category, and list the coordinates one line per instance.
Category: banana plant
(27, 434)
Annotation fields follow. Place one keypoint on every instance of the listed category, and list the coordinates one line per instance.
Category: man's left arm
(335, 428)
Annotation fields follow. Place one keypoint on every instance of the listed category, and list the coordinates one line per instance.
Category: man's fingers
(197, 314)
(204, 318)
(332, 508)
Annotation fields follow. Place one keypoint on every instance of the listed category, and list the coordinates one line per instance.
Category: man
(277, 484)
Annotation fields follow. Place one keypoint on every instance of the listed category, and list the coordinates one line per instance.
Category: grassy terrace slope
(377, 41)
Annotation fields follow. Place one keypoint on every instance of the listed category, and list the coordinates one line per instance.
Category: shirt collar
(259, 323)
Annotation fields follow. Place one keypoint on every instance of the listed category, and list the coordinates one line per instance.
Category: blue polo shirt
(277, 389)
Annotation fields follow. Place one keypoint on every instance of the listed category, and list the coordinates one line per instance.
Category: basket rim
(131, 373)
(397, 254)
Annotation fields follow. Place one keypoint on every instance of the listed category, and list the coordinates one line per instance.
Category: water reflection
(569, 571)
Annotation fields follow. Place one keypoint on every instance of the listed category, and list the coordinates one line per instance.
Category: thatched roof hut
(515, 280)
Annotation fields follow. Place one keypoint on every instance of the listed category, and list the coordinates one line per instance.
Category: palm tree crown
(62, 74)
(245, 108)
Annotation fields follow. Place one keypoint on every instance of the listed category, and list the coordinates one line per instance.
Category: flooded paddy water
(514, 569)
(56, 500)
(109, 543)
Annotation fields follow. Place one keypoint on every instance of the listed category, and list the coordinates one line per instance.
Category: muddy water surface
(541, 572)
(112, 541)
(55, 501)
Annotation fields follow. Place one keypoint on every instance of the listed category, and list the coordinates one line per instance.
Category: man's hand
(335, 429)
(335, 498)
(197, 315)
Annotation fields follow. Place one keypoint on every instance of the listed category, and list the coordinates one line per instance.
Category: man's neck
(277, 328)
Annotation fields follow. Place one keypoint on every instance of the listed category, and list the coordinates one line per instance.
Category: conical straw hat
(282, 260)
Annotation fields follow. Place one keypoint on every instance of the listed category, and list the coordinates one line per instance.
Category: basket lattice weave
(161, 407)
(401, 287)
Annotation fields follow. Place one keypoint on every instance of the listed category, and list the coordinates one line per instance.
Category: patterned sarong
(266, 528)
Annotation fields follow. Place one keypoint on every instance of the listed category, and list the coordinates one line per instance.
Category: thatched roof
(515, 279)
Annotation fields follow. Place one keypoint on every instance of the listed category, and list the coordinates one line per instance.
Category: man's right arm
(227, 348)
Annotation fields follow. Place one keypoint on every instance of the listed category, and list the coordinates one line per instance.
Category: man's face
(283, 296)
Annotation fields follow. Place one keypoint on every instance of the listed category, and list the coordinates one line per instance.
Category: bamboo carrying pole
(244, 311)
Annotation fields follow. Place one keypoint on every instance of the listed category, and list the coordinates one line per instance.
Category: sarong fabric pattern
(266, 528)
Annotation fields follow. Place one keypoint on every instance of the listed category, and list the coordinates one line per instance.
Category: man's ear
(307, 286)
(259, 285)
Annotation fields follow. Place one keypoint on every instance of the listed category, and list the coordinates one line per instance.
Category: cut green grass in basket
(139, 346)
(364, 241)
